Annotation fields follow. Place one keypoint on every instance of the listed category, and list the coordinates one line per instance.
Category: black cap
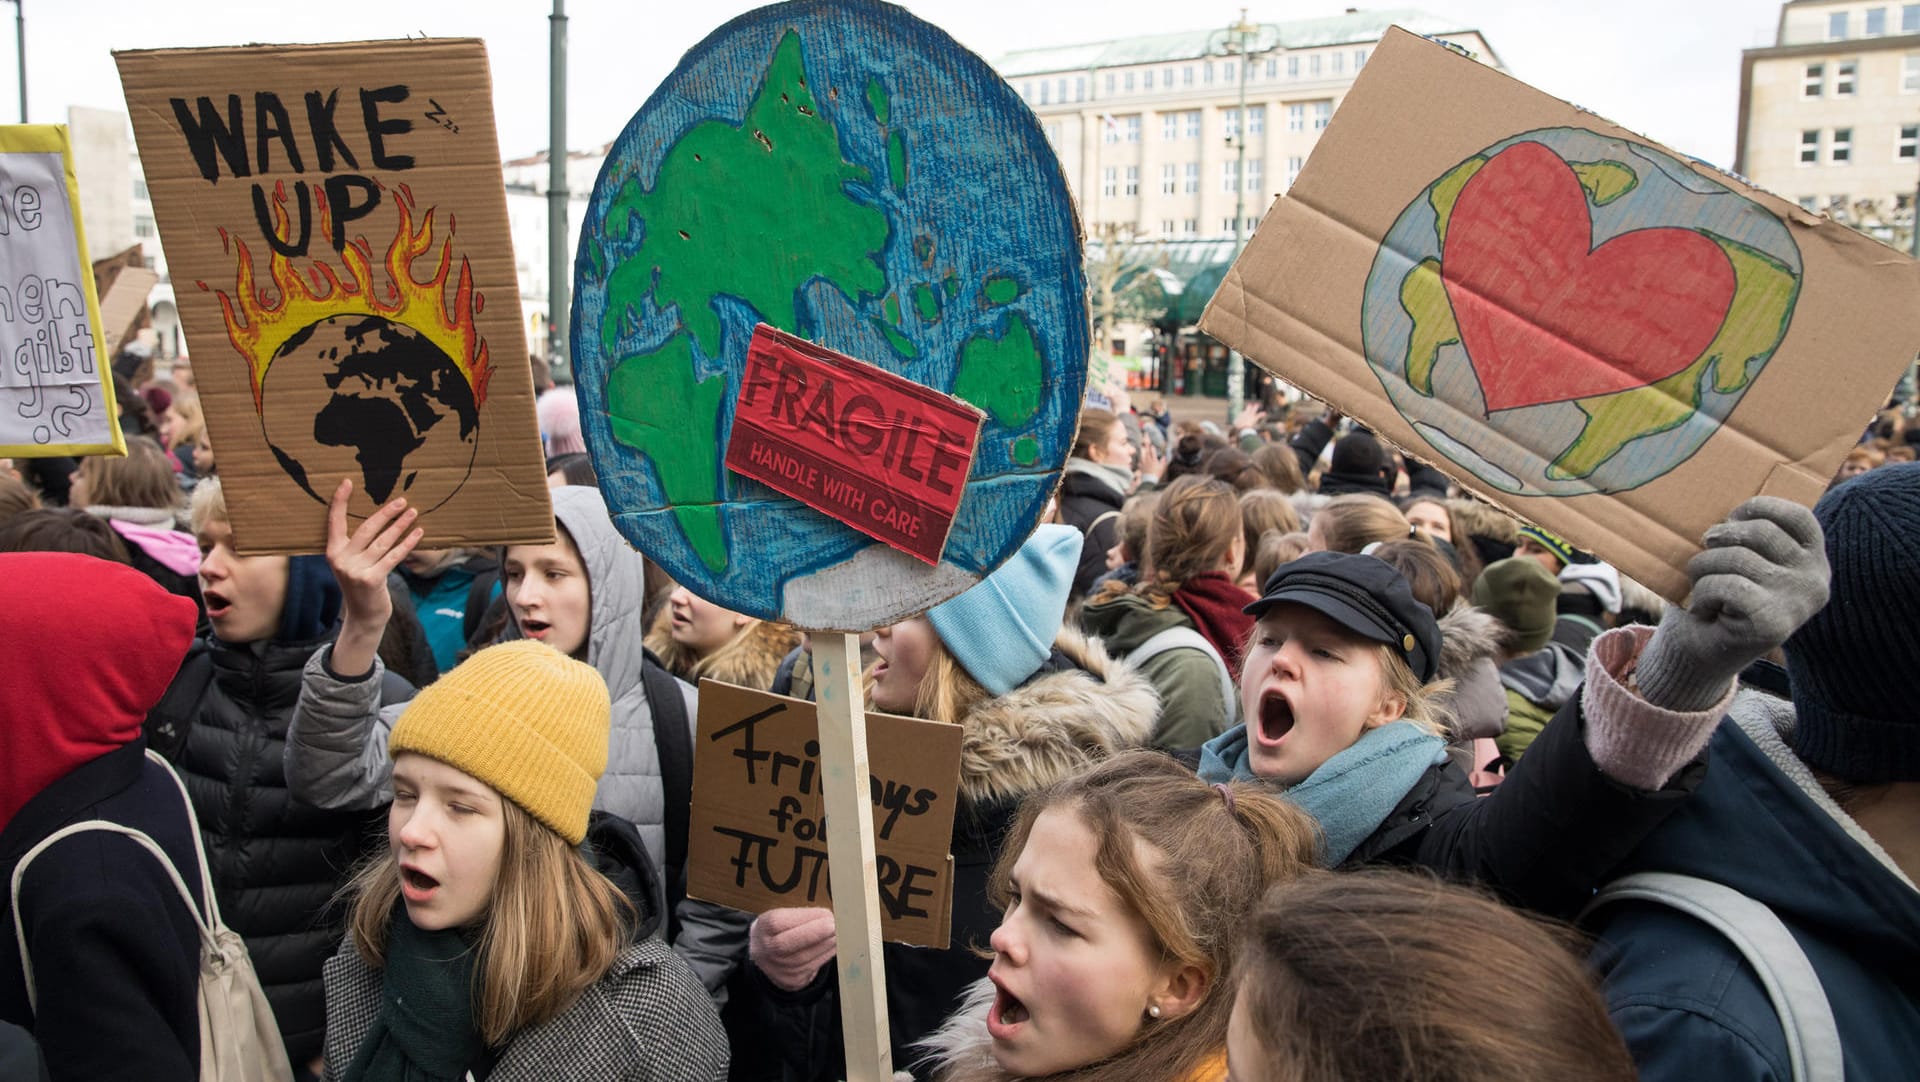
(1367, 596)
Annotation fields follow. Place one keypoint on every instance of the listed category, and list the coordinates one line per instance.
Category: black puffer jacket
(1087, 498)
(276, 861)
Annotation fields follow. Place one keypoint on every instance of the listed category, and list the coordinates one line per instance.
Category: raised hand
(361, 562)
(1763, 574)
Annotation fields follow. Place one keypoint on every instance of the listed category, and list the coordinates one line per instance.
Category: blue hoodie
(1689, 1006)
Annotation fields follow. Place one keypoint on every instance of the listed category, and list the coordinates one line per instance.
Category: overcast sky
(1669, 69)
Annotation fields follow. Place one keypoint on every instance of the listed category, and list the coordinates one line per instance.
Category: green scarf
(425, 1030)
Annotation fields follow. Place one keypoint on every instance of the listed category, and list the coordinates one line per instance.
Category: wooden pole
(853, 873)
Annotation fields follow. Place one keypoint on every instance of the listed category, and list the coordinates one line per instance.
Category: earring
(1153, 1010)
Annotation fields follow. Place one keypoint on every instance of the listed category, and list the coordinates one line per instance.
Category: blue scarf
(1353, 792)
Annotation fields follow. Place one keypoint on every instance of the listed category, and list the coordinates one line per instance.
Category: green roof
(1360, 26)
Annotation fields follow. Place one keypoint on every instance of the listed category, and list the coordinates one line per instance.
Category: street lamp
(20, 41)
(1233, 41)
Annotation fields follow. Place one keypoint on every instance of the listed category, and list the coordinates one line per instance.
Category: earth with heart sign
(1567, 313)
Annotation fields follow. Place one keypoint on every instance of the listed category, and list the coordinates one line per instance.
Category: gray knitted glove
(1763, 574)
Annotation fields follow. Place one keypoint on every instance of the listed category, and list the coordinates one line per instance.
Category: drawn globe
(1601, 443)
(847, 173)
(364, 397)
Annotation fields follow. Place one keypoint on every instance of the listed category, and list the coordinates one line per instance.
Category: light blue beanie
(1002, 629)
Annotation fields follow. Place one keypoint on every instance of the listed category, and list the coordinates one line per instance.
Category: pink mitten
(790, 945)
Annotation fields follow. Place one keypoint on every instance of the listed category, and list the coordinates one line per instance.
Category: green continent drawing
(1764, 292)
(1003, 375)
(649, 398)
(1603, 442)
(753, 211)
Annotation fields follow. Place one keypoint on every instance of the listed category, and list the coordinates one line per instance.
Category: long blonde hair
(1195, 522)
(553, 926)
(947, 692)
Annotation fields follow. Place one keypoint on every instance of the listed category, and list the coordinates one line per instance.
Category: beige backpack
(239, 1041)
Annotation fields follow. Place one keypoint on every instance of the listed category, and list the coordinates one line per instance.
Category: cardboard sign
(758, 836)
(1603, 336)
(844, 171)
(336, 220)
(56, 381)
(881, 453)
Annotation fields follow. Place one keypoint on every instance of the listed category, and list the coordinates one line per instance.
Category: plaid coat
(647, 1020)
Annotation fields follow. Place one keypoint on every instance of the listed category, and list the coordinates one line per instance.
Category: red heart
(1546, 317)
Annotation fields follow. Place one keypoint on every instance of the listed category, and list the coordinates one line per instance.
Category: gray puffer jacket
(336, 753)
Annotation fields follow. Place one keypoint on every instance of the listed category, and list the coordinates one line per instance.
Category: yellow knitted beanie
(526, 719)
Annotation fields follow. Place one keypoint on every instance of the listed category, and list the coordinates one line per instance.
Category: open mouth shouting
(1275, 719)
(1007, 1015)
(537, 630)
(417, 886)
(218, 604)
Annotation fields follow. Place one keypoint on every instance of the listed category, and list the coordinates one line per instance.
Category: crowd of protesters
(1282, 758)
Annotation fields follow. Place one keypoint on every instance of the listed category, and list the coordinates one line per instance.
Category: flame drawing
(261, 317)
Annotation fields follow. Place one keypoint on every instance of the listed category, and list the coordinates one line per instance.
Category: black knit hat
(1852, 666)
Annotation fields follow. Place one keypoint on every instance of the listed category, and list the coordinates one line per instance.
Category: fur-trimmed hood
(1467, 635)
(1057, 724)
(749, 659)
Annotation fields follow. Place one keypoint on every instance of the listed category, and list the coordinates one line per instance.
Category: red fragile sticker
(876, 451)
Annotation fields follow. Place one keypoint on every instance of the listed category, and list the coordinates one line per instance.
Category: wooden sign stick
(851, 867)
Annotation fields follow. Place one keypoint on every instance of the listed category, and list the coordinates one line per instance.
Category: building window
(1169, 180)
(1876, 22)
(1230, 119)
(1060, 91)
(1909, 74)
(1296, 118)
(1127, 82)
(1026, 90)
(1169, 126)
(1079, 88)
(1046, 92)
(1190, 226)
(1193, 124)
(1293, 67)
(1843, 78)
(1359, 59)
(1815, 79)
(1186, 75)
(1322, 112)
(1908, 147)
(140, 188)
(1110, 180)
(1133, 180)
(1146, 79)
(1294, 165)
(1910, 18)
(1253, 175)
(1226, 225)
(1841, 151)
(1810, 147)
(1112, 79)
(1166, 78)
(1230, 176)
(1273, 64)
(1256, 119)
(1132, 125)
(1836, 26)
(142, 226)
(1339, 63)
(1193, 177)
(1808, 202)
(1313, 64)
(1112, 127)
(1166, 227)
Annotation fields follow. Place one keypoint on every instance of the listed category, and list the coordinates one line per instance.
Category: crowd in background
(1281, 758)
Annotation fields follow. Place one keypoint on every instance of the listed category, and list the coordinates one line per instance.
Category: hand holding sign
(361, 564)
(790, 945)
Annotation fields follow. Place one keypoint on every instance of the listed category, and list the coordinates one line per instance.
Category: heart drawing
(1544, 316)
